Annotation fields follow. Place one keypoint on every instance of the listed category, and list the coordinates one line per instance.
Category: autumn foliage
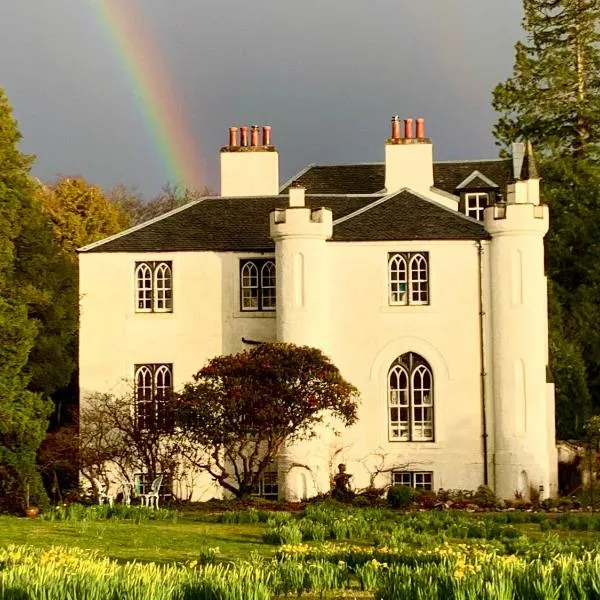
(241, 408)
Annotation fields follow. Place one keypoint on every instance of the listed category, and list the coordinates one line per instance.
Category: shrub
(400, 496)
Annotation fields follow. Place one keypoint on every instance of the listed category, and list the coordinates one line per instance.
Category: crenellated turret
(524, 457)
(300, 234)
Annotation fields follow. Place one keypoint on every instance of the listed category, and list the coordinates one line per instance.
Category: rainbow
(153, 91)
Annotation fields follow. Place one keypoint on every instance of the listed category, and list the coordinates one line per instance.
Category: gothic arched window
(410, 399)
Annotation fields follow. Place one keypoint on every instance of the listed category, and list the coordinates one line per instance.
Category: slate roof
(242, 224)
(369, 178)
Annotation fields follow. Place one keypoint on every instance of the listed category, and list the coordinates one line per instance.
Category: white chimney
(249, 167)
(408, 158)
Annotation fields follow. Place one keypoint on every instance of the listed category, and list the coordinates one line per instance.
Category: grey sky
(326, 74)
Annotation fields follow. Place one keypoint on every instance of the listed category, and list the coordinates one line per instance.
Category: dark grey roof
(370, 178)
(407, 216)
(242, 224)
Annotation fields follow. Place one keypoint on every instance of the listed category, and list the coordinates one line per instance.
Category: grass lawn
(155, 541)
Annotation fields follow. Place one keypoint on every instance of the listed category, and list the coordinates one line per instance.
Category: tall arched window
(154, 286)
(410, 399)
(408, 278)
(153, 390)
(257, 284)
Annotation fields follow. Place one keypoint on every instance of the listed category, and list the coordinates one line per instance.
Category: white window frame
(258, 281)
(154, 287)
(268, 484)
(153, 385)
(419, 480)
(408, 278)
(410, 400)
(475, 204)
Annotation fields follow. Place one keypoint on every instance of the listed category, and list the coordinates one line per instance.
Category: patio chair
(151, 498)
(102, 491)
(127, 489)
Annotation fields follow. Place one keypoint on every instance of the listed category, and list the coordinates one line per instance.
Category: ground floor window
(421, 480)
(268, 485)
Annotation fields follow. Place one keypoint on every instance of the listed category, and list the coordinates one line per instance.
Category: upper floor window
(257, 284)
(422, 480)
(154, 286)
(408, 278)
(153, 391)
(410, 399)
(475, 203)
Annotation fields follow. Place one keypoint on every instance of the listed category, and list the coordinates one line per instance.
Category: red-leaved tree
(241, 408)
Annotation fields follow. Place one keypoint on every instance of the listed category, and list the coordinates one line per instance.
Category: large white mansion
(423, 281)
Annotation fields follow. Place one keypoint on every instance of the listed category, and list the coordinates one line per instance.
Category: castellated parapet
(524, 458)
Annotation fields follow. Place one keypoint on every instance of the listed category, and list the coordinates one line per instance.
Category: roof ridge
(140, 225)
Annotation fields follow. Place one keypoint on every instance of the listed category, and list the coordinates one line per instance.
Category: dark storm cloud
(326, 74)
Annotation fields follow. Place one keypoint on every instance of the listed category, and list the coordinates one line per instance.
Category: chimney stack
(408, 159)
(249, 168)
(297, 194)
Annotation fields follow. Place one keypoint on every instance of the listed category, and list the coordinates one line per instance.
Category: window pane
(402, 478)
(419, 293)
(164, 389)
(397, 280)
(249, 282)
(398, 403)
(143, 278)
(163, 287)
(144, 408)
(268, 278)
(424, 481)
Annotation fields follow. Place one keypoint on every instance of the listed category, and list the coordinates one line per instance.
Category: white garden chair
(102, 491)
(127, 493)
(151, 498)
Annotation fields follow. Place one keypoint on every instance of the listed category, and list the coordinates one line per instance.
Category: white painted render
(249, 171)
(484, 332)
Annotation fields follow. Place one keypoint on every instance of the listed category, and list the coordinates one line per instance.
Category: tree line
(552, 99)
(41, 227)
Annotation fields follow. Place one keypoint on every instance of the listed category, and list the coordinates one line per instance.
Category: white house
(423, 281)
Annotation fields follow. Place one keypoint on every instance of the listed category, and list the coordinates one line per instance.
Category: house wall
(366, 335)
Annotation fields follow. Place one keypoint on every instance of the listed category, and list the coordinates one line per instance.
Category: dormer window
(475, 203)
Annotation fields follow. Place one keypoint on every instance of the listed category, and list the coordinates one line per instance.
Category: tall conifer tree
(553, 96)
(553, 100)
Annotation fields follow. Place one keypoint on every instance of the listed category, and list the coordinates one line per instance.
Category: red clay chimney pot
(408, 129)
(266, 135)
(244, 135)
(396, 128)
(420, 128)
(233, 139)
(254, 136)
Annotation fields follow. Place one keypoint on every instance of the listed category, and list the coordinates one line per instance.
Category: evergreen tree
(553, 96)
(23, 413)
(553, 100)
